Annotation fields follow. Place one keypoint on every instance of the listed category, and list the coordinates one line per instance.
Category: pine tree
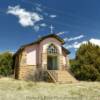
(86, 65)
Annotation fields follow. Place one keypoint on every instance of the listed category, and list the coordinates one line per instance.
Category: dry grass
(11, 89)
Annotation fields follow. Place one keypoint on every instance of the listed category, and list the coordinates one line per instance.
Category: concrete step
(65, 77)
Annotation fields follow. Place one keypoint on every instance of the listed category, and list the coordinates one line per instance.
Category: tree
(86, 65)
(6, 62)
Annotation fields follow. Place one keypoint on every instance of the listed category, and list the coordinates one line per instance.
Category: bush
(6, 62)
(86, 65)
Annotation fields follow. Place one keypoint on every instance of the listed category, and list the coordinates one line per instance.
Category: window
(52, 49)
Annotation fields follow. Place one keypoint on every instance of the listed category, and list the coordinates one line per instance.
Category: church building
(43, 60)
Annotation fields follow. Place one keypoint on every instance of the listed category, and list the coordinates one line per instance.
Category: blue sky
(23, 21)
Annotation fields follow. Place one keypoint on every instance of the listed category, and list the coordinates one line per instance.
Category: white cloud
(39, 9)
(53, 16)
(76, 45)
(60, 33)
(36, 28)
(26, 18)
(74, 38)
(43, 25)
(65, 39)
(95, 41)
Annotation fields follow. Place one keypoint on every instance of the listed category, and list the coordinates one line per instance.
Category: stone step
(65, 77)
(62, 76)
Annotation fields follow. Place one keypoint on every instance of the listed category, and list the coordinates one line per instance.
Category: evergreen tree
(6, 61)
(86, 65)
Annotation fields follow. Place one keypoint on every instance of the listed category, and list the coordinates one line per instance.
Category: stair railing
(53, 75)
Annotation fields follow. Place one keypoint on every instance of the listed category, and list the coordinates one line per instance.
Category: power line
(2, 12)
(53, 9)
(56, 22)
(61, 24)
(57, 11)
(45, 7)
(85, 20)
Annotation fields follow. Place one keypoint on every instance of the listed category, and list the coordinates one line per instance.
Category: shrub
(86, 65)
(6, 62)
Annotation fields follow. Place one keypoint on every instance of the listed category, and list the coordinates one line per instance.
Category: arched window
(52, 49)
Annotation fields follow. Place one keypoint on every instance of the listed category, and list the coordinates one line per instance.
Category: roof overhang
(41, 39)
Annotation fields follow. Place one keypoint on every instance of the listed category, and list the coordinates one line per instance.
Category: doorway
(52, 63)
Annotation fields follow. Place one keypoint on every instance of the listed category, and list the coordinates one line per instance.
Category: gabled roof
(66, 50)
(42, 38)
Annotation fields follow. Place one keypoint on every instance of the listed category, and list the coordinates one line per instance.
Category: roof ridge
(42, 38)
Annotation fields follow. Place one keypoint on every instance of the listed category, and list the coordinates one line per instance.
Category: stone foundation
(27, 73)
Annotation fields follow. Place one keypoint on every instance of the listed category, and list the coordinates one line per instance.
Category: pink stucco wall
(32, 55)
(34, 52)
(44, 44)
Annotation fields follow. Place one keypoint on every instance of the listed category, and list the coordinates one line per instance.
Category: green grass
(11, 89)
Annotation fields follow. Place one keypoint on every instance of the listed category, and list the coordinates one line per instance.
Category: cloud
(26, 18)
(73, 38)
(36, 28)
(95, 41)
(53, 16)
(60, 33)
(43, 25)
(66, 39)
(76, 45)
(39, 9)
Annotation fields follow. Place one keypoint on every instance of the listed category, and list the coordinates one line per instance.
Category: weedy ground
(11, 89)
